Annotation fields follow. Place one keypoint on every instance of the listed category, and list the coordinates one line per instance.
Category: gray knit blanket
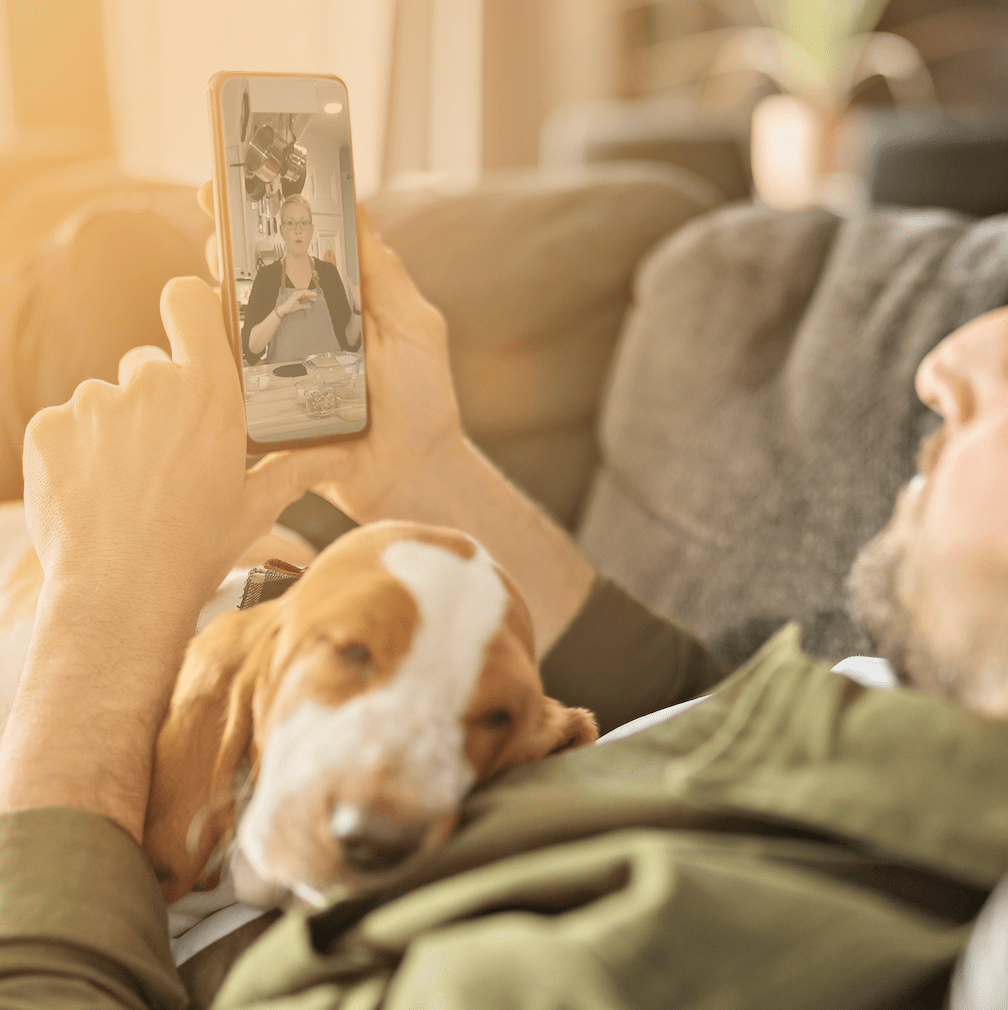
(760, 417)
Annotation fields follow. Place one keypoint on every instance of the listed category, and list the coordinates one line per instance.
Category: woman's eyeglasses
(303, 224)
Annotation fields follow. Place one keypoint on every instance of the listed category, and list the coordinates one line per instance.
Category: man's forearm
(461, 489)
(95, 687)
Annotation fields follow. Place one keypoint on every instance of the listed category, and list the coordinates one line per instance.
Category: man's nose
(967, 370)
(943, 386)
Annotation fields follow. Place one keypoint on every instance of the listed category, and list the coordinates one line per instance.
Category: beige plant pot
(787, 150)
(804, 154)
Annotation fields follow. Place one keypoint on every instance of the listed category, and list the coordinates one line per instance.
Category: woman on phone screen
(297, 305)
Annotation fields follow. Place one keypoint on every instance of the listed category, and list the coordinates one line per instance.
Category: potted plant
(816, 53)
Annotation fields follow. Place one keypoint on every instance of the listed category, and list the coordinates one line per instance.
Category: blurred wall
(473, 79)
(160, 54)
(38, 37)
(516, 81)
(538, 54)
(435, 115)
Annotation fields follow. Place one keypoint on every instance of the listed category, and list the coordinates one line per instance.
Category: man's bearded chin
(886, 600)
(876, 603)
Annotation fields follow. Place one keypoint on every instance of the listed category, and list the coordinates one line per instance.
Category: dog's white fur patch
(411, 727)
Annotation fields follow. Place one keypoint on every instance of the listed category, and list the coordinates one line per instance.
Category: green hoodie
(795, 840)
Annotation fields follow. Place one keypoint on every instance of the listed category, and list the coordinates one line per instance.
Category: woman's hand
(266, 329)
(297, 301)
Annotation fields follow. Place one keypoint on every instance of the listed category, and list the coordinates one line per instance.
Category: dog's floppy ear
(205, 737)
(561, 729)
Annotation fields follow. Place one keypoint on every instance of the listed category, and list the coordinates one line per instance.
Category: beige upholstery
(533, 273)
(84, 254)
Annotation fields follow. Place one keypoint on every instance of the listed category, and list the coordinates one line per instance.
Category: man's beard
(876, 602)
(878, 587)
(886, 600)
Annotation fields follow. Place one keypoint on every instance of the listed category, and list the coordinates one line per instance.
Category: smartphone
(285, 206)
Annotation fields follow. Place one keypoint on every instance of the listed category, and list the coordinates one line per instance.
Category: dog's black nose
(371, 841)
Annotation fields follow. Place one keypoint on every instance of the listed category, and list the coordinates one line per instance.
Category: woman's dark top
(263, 297)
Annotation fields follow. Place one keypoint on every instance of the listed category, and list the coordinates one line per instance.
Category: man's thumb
(283, 477)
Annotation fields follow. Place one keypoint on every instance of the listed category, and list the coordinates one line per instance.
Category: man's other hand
(414, 461)
(148, 476)
(412, 410)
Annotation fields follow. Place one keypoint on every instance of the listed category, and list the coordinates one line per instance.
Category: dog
(330, 734)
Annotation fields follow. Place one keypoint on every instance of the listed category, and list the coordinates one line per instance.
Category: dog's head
(366, 701)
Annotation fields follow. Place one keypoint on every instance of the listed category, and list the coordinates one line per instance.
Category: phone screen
(288, 243)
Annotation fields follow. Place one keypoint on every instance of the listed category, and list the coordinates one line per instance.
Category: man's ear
(203, 741)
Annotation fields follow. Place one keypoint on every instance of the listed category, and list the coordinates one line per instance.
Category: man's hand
(412, 410)
(138, 503)
(415, 463)
(149, 475)
(413, 413)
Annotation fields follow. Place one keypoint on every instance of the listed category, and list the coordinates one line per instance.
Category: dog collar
(268, 581)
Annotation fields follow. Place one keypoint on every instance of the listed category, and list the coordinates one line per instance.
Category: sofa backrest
(761, 417)
(533, 272)
(84, 253)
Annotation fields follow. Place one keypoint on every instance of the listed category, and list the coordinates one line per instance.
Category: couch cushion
(761, 415)
(84, 253)
(533, 273)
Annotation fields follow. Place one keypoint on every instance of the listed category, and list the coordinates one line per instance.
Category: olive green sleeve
(82, 920)
(622, 661)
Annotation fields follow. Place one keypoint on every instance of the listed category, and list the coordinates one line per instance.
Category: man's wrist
(103, 601)
(457, 486)
(439, 491)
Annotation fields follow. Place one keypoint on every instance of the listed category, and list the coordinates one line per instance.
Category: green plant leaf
(821, 27)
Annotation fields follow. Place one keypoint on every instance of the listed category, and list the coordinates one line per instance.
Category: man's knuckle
(88, 396)
(39, 432)
(41, 423)
(154, 374)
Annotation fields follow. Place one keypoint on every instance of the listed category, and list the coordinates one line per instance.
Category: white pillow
(981, 976)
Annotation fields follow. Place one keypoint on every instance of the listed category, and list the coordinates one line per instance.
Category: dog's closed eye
(358, 656)
(498, 719)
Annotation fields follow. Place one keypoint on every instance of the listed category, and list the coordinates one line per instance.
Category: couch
(718, 406)
(717, 401)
